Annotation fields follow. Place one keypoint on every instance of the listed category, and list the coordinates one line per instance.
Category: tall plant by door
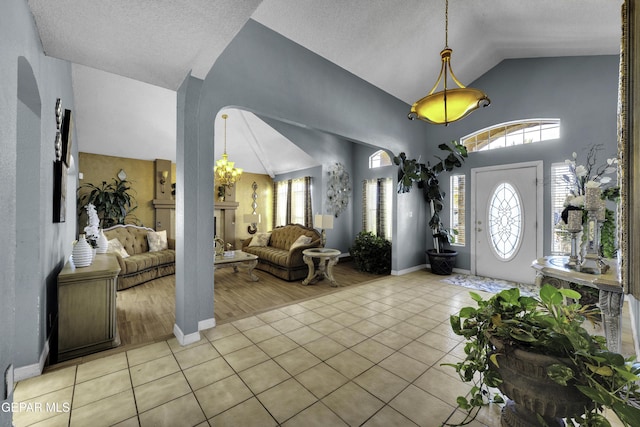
(114, 202)
(425, 176)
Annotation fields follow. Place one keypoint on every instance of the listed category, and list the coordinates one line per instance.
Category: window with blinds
(377, 200)
(457, 206)
(512, 133)
(560, 240)
(297, 201)
(292, 202)
(282, 187)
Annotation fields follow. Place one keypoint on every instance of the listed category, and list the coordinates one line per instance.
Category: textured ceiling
(150, 46)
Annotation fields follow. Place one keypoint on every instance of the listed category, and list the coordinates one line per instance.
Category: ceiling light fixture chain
(446, 24)
(225, 171)
(448, 105)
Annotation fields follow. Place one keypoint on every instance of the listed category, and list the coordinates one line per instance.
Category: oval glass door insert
(505, 221)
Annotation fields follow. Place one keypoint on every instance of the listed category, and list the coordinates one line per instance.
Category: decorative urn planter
(531, 391)
(442, 263)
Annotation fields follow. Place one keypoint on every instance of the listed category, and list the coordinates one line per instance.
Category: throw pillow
(260, 239)
(157, 240)
(300, 241)
(115, 246)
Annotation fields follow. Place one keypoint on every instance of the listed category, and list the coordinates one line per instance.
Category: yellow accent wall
(97, 168)
(265, 202)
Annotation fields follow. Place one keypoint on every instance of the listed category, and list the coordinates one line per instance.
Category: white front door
(506, 211)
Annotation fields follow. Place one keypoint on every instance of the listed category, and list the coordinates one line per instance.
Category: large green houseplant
(371, 253)
(426, 177)
(114, 201)
(585, 375)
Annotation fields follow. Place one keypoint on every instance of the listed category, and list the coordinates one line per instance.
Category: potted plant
(536, 352)
(113, 201)
(425, 176)
(371, 253)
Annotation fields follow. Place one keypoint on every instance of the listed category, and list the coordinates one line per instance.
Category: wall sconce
(163, 179)
(323, 222)
(254, 220)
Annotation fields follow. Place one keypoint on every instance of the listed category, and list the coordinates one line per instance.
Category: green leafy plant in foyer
(371, 253)
(114, 201)
(425, 176)
(547, 326)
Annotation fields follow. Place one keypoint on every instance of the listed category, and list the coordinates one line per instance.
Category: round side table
(328, 258)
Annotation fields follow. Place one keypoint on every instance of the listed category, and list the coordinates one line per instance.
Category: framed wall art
(67, 137)
(59, 191)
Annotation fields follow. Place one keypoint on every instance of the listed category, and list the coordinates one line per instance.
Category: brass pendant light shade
(448, 105)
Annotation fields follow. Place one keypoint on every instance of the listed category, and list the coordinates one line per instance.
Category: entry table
(552, 270)
(328, 258)
(87, 307)
(238, 258)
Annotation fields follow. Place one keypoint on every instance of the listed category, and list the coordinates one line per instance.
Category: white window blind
(377, 206)
(297, 201)
(281, 208)
(560, 242)
(458, 208)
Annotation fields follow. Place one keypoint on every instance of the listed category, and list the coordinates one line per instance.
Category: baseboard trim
(422, 267)
(195, 336)
(185, 339)
(407, 270)
(29, 371)
(206, 324)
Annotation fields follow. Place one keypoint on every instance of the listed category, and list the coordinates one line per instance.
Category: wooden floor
(146, 312)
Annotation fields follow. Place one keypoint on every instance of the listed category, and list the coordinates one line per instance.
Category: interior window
(560, 240)
(379, 159)
(458, 211)
(377, 199)
(512, 133)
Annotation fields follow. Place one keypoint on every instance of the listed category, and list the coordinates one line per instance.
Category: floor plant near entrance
(551, 325)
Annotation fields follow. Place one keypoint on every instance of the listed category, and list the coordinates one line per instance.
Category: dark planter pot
(531, 391)
(442, 263)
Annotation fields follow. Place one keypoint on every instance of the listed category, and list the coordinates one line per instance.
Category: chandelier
(224, 170)
(448, 105)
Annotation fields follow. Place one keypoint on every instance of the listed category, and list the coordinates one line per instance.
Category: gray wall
(263, 72)
(326, 149)
(581, 91)
(35, 247)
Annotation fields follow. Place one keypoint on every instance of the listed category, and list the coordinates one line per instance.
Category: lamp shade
(448, 106)
(251, 218)
(324, 222)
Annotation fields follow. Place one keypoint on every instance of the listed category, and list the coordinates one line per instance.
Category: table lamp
(323, 222)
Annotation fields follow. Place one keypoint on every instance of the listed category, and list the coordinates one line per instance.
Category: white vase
(103, 243)
(82, 254)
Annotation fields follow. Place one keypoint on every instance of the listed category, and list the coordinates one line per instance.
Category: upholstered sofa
(276, 254)
(137, 263)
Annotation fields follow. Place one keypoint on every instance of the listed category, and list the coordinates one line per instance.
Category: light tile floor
(367, 355)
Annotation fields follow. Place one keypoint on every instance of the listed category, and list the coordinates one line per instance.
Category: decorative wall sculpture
(338, 189)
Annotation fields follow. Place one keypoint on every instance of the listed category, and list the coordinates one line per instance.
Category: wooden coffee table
(328, 258)
(239, 258)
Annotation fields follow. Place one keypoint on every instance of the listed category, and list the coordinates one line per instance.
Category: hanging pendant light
(224, 170)
(448, 105)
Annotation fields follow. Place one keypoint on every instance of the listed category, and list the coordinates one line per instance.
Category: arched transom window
(379, 159)
(512, 133)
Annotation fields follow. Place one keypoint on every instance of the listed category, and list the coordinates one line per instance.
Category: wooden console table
(87, 307)
(552, 270)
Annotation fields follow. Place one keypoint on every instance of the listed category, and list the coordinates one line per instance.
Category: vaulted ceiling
(130, 55)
